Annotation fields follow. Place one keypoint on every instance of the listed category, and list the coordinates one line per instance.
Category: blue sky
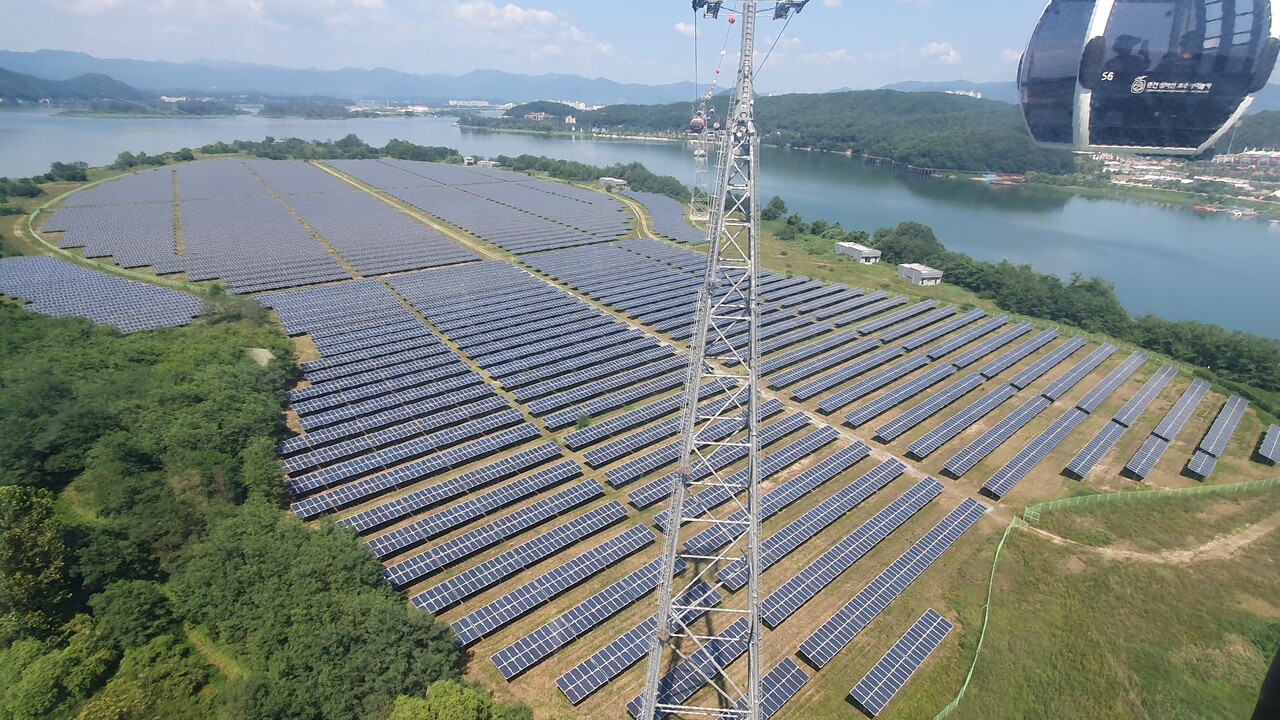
(832, 44)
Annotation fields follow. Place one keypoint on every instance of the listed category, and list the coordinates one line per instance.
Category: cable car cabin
(1149, 76)
(697, 124)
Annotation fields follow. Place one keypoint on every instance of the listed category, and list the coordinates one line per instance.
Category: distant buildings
(860, 253)
(613, 182)
(538, 116)
(918, 274)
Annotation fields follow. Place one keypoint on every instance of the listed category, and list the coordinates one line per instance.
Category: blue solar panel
(548, 639)
(897, 317)
(1028, 457)
(1224, 426)
(804, 528)
(892, 672)
(893, 429)
(1111, 382)
(1181, 411)
(826, 362)
(1202, 464)
(828, 640)
(950, 345)
(528, 597)
(1017, 354)
(1139, 403)
(1096, 449)
(680, 683)
(598, 670)
(459, 548)
(865, 387)
(963, 461)
(478, 578)
(820, 573)
(778, 686)
(849, 372)
(973, 355)
(961, 421)
(1270, 447)
(923, 321)
(946, 328)
(1037, 369)
(1144, 461)
(899, 395)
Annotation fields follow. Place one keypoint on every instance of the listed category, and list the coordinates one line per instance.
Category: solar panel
(865, 387)
(809, 369)
(455, 516)
(458, 548)
(829, 639)
(887, 678)
(478, 578)
(946, 328)
(923, 321)
(1144, 461)
(1028, 457)
(959, 422)
(680, 683)
(1181, 411)
(1111, 382)
(820, 573)
(610, 661)
(896, 317)
(778, 686)
(963, 461)
(804, 528)
(1202, 464)
(548, 639)
(1078, 372)
(1038, 368)
(1141, 400)
(528, 597)
(893, 429)
(950, 345)
(853, 370)
(1224, 426)
(1016, 355)
(899, 395)
(866, 311)
(779, 498)
(1096, 449)
(1270, 447)
(973, 355)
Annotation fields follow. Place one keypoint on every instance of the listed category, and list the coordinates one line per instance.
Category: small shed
(613, 182)
(918, 274)
(860, 253)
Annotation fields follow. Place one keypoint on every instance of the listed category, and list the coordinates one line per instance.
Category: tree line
(931, 130)
(146, 567)
(1245, 363)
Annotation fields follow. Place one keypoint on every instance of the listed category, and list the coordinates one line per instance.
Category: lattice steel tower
(702, 628)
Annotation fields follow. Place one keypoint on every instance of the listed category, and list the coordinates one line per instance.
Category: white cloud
(1010, 56)
(831, 57)
(941, 52)
(685, 29)
(832, 3)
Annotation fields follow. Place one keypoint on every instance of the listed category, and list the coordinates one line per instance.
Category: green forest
(1242, 362)
(1257, 131)
(148, 570)
(931, 130)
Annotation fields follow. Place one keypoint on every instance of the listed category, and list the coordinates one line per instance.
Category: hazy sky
(833, 43)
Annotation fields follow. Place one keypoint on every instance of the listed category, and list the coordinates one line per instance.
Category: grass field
(1077, 633)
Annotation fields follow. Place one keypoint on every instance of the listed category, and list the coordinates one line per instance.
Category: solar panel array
(804, 585)
(887, 678)
(1106, 438)
(1269, 450)
(512, 211)
(62, 289)
(1037, 450)
(1181, 411)
(689, 675)
(829, 639)
(1205, 459)
(1144, 461)
(669, 217)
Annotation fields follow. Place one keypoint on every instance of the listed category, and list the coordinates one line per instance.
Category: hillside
(90, 86)
(924, 129)
(1261, 130)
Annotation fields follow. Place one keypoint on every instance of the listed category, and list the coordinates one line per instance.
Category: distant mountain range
(90, 86)
(226, 78)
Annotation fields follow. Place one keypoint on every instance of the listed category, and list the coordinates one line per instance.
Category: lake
(1171, 262)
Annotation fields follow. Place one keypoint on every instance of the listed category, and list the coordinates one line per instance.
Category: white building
(613, 182)
(918, 274)
(489, 164)
(860, 253)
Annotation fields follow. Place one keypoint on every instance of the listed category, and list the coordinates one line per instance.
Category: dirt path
(1222, 547)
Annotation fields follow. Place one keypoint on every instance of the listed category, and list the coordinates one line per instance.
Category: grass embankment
(1077, 632)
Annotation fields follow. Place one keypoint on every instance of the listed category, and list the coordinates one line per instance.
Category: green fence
(1032, 514)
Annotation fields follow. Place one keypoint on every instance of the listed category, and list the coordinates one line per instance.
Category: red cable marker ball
(732, 19)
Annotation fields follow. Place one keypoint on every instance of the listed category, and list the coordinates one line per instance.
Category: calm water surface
(1171, 262)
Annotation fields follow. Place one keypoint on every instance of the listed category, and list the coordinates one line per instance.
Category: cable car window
(1050, 68)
